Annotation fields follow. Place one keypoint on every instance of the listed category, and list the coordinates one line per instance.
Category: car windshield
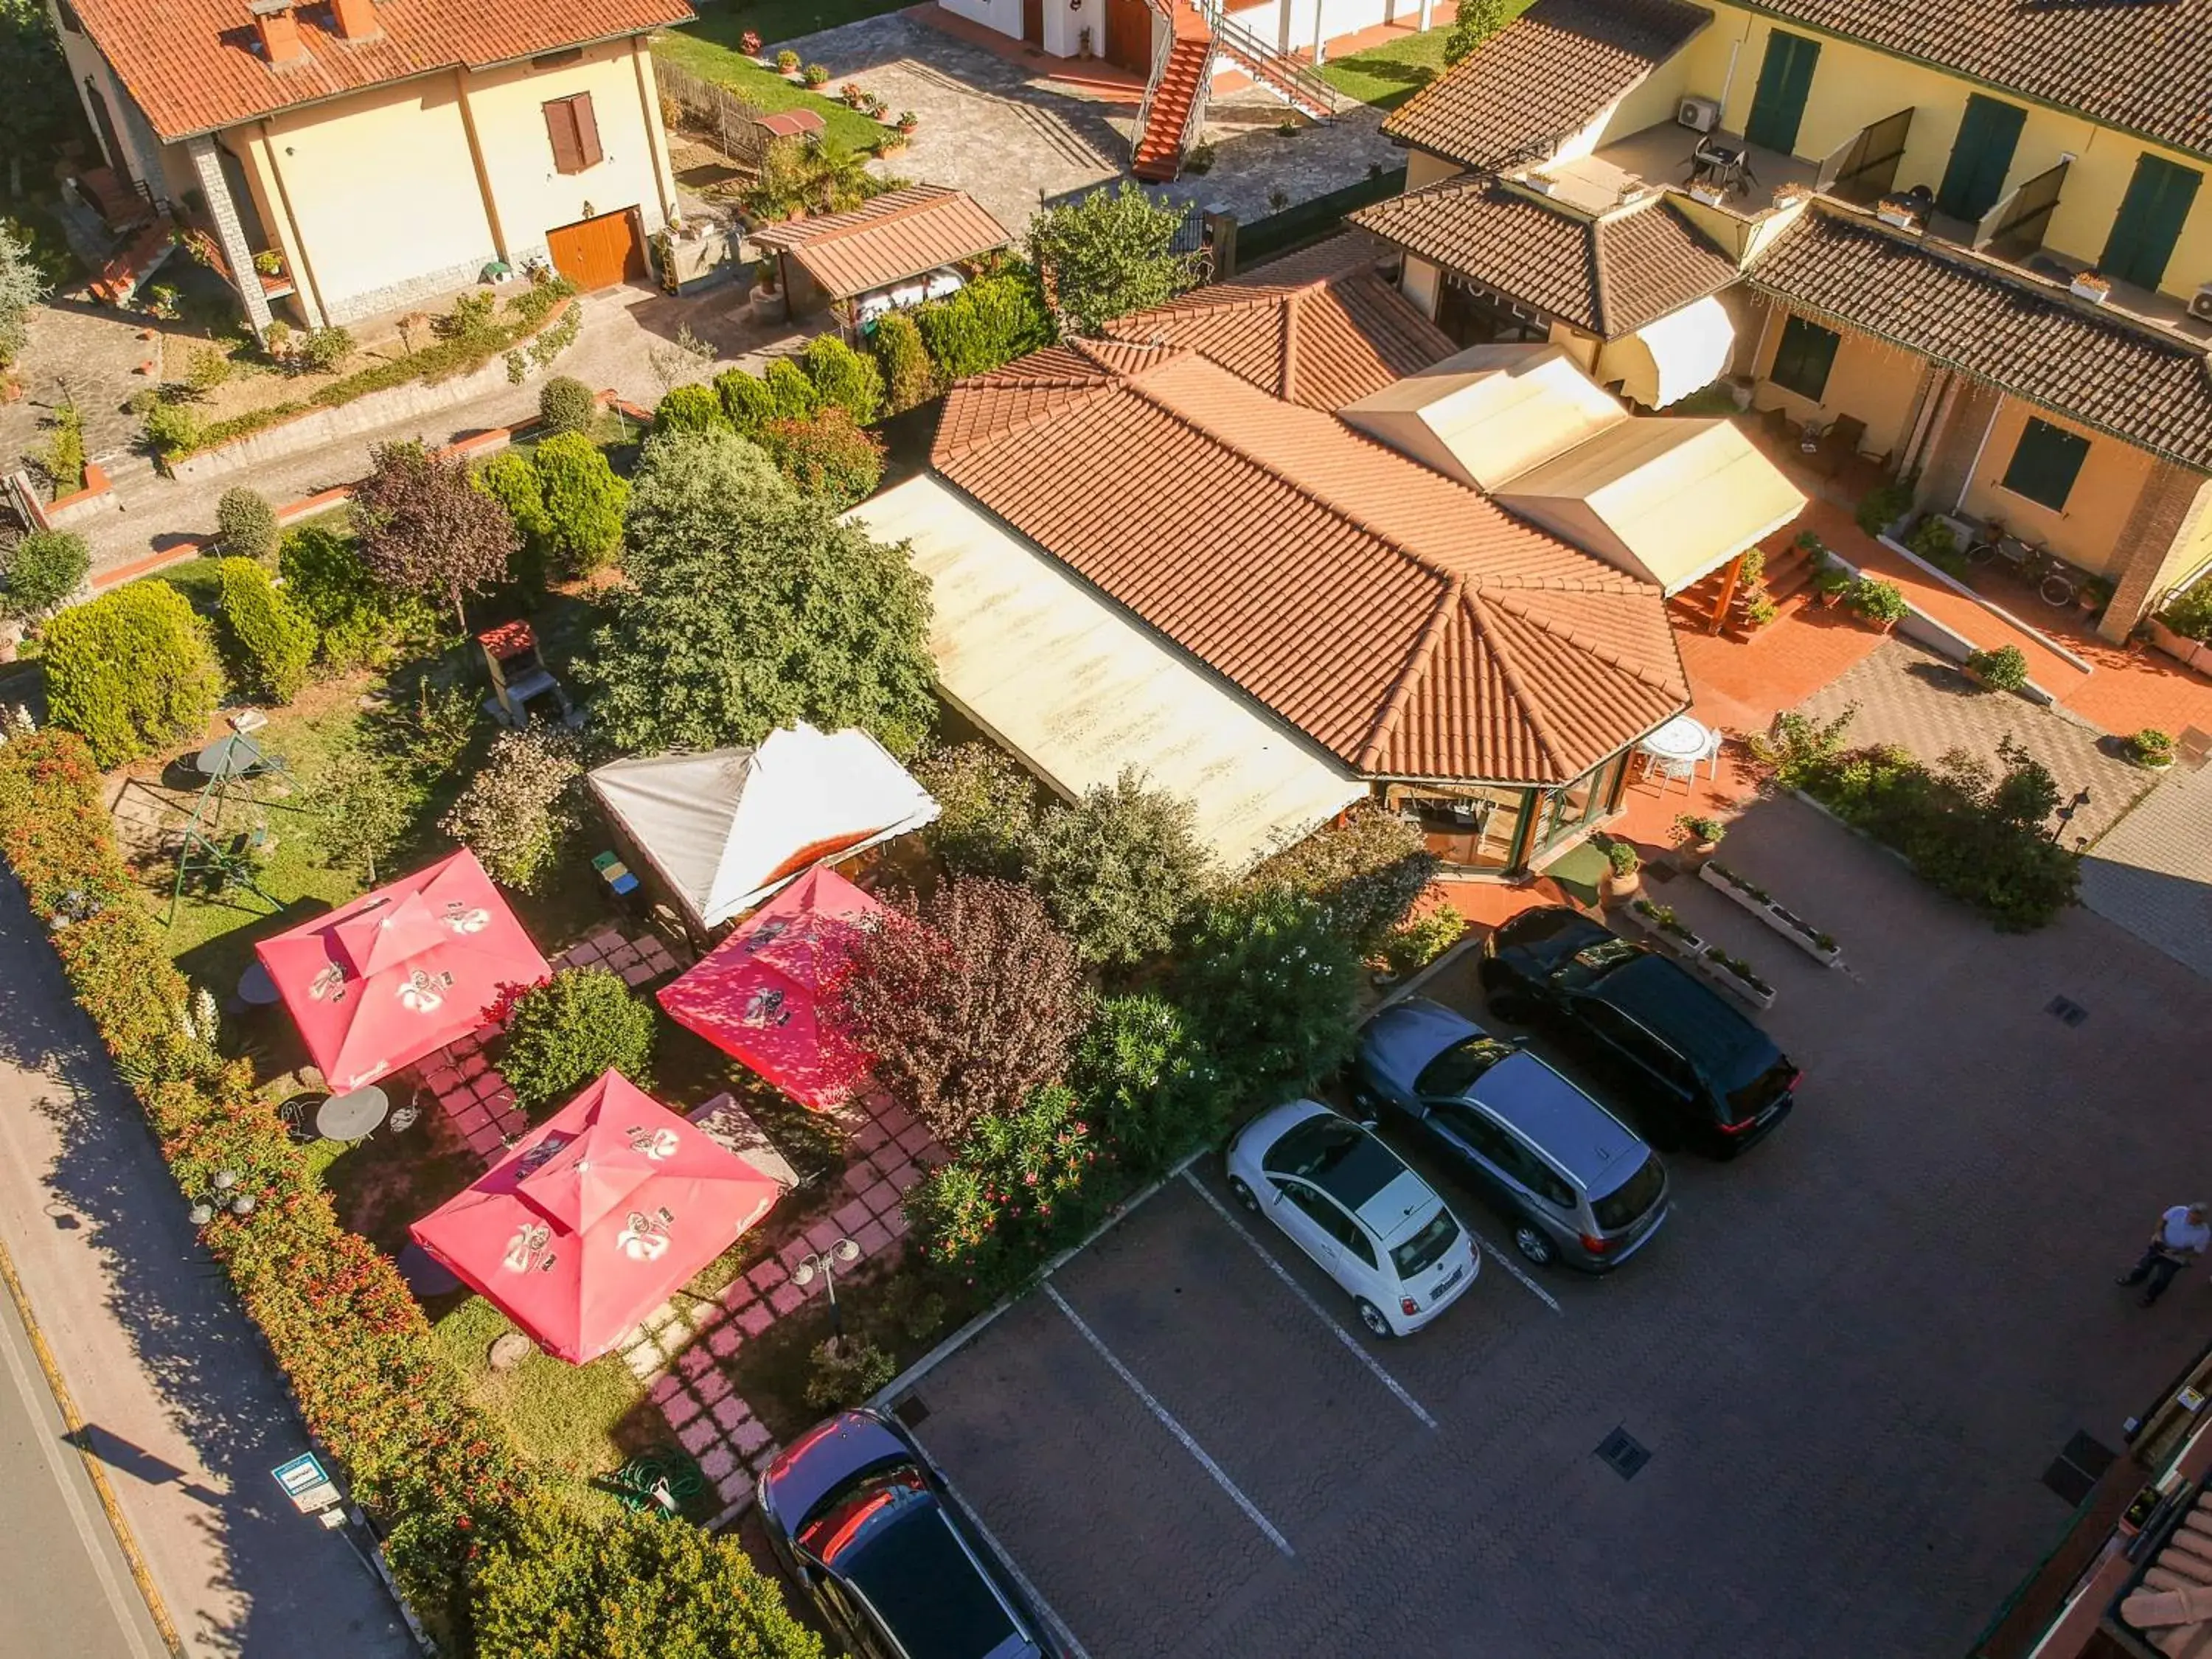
(1593, 962)
(1453, 1072)
(1426, 1248)
(892, 1543)
(1623, 1207)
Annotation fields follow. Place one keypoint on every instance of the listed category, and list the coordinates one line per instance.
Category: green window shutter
(2158, 203)
(1802, 360)
(2044, 464)
(1786, 79)
(1981, 157)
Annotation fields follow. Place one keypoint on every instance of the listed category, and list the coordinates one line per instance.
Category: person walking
(2183, 1232)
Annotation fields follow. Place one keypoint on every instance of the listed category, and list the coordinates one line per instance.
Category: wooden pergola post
(1733, 574)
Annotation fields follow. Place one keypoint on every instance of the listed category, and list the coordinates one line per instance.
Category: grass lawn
(778, 20)
(709, 48)
(1388, 75)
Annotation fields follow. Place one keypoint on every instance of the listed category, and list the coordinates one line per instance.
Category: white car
(1376, 1227)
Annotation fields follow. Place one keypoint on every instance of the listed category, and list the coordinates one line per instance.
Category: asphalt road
(64, 1587)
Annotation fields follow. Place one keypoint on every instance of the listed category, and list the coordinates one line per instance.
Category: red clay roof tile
(891, 238)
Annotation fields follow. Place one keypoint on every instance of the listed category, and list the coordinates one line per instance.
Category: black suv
(1690, 1069)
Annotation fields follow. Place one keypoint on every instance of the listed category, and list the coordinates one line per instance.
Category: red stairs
(1788, 574)
(133, 263)
(1181, 83)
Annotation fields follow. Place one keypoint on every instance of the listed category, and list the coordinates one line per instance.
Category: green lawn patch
(778, 20)
(709, 49)
(1388, 75)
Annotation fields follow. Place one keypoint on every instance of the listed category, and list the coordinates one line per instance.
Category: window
(1453, 1072)
(1981, 158)
(1499, 1147)
(2158, 203)
(1623, 1033)
(1802, 360)
(1626, 1204)
(574, 132)
(2044, 464)
(1426, 1248)
(1785, 78)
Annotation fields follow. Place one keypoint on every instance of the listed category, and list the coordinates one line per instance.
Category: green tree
(1120, 870)
(132, 672)
(903, 361)
(23, 284)
(749, 607)
(1151, 1083)
(843, 379)
(40, 107)
(360, 623)
(746, 400)
(40, 571)
(424, 529)
(987, 807)
(1478, 20)
(563, 1033)
(992, 321)
(511, 478)
(1110, 253)
(827, 458)
(517, 808)
(1276, 985)
(690, 409)
(368, 803)
(565, 404)
(271, 640)
(246, 524)
(792, 394)
(583, 501)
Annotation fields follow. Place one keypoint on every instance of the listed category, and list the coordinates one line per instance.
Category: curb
(94, 1470)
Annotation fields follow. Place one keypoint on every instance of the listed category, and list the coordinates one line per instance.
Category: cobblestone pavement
(1911, 697)
(1015, 141)
(1851, 1355)
(2152, 872)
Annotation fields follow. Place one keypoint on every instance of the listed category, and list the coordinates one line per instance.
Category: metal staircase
(1173, 113)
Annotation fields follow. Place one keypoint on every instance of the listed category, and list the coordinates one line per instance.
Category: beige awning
(1489, 413)
(1664, 361)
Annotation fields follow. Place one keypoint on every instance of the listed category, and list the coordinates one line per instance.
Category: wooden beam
(1728, 580)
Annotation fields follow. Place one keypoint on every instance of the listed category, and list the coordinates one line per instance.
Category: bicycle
(2054, 580)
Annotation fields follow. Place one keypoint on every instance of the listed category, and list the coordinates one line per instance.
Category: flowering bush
(1365, 871)
(826, 456)
(520, 805)
(1016, 1193)
(1153, 1086)
(750, 43)
(1276, 982)
(562, 1034)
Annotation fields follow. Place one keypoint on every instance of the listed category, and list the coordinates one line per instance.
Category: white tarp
(1663, 362)
(1031, 654)
(727, 828)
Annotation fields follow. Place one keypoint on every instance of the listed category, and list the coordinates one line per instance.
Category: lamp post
(842, 1254)
(223, 1194)
(2066, 813)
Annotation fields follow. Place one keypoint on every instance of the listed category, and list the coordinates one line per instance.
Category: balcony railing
(1864, 170)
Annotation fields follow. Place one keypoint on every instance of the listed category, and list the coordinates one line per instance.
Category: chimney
(357, 19)
(280, 34)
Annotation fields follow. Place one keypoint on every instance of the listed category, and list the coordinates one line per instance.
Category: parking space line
(1166, 1420)
(1044, 1609)
(1506, 1262)
(1351, 1343)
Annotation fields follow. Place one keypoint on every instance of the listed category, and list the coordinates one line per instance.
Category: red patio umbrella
(589, 1224)
(757, 994)
(400, 971)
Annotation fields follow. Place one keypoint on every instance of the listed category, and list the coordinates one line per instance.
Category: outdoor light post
(222, 1195)
(842, 1254)
(2066, 812)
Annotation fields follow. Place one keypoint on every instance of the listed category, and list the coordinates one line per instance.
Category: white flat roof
(1079, 690)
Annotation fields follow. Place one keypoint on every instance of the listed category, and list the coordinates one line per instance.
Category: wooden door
(1033, 21)
(1129, 35)
(596, 253)
(1981, 158)
(1785, 81)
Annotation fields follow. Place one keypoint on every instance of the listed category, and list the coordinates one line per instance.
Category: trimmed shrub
(132, 672)
(826, 456)
(583, 502)
(270, 640)
(746, 400)
(843, 379)
(690, 408)
(360, 624)
(563, 1033)
(1365, 873)
(987, 807)
(247, 525)
(517, 807)
(565, 403)
(992, 321)
(42, 570)
(792, 394)
(1120, 870)
(1276, 982)
(2003, 668)
(903, 362)
(1151, 1085)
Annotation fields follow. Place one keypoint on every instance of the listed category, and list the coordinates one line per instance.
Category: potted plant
(814, 76)
(1999, 668)
(1622, 865)
(1700, 835)
(877, 108)
(786, 62)
(269, 262)
(1880, 603)
(766, 299)
(854, 93)
(1830, 581)
(2094, 594)
(2151, 748)
(1936, 542)
(907, 121)
(750, 43)
(1083, 41)
(2091, 285)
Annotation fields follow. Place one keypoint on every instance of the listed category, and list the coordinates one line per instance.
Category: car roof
(1410, 1033)
(906, 1560)
(826, 1456)
(1572, 1129)
(1665, 998)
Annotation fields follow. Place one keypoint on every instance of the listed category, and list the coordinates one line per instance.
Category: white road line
(1506, 1262)
(1166, 1420)
(1044, 1608)
(1351, 1343)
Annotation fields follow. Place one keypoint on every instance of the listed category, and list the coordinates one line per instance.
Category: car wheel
(1371, 1317)
(1535, 1245)
(1242, 1194)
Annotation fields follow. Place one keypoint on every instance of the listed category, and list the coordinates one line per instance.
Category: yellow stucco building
(1967, 239)
(384, 151)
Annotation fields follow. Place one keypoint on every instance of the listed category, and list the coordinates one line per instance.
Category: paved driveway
(1850, 1356)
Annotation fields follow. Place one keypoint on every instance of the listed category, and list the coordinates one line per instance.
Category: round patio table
(232, 757)
(353, 1116)
(1681, 740)
(256, 989)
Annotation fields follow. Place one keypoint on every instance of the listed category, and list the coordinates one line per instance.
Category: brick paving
(2152, 872)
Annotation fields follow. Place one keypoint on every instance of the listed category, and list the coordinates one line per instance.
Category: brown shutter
(587, 130)
(561, 130)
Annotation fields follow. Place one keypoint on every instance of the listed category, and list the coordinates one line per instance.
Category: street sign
(307, 1483)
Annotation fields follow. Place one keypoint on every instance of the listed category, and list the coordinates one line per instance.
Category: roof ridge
(1289, 356)
(1417, 665)
(860, 218)
(1600, 268)
(1502, 653)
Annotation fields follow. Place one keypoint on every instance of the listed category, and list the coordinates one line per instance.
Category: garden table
(352, 1116)
(232, 757)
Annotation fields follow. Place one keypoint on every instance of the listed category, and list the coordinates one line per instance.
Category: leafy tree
(903, 361)
(1477, 21)
(749, 607)
(1151, 1083)
(565, 404)
(746, 400)
(827, 457)
(519, 805)
(424, 529)
(565, 1585)
(360, 624)
(39, 107)
(40, 571)
(271, 640)
(967, 1002)
(1120, 870)
(1110, 253)
(987, 807)
(247, 525)
(368, 803)
(132, 672)
(23, 284)
(563, 1033)
(690, 408)
(843, 379)
(1365, 873)
(792, 394)
(583, 502)
(992, 321)
(1276, 983)
(511, 478)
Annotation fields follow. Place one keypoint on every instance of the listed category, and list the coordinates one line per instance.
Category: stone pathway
(2152, 872)
(1914, 699)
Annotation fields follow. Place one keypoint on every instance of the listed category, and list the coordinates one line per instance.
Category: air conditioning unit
(1698, 114)
(2200, 303)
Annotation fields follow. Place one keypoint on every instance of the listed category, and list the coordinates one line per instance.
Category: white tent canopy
(727, 828)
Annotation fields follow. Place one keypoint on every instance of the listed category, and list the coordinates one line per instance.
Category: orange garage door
(595, 253)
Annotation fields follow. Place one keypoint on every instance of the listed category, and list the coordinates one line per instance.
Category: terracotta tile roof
(1322, 329)
(1550, 72)
(2132, 64)
(194, 65)
(1610, 275)
(900, 234)
(2171, 1606)
(1402, 621)
(2025, 338)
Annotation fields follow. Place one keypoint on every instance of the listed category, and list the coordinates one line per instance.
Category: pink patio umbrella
(600, 1213)
(401, 971)
(758, 994)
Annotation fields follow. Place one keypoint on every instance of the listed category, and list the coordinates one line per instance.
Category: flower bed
(1820, 946)
(1734, 975)
(1660, 924)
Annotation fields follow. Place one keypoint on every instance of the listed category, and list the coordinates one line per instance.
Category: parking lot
(1850, 1356)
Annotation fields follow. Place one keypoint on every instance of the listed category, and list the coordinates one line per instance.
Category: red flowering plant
(750, 43)
(1024, 1185)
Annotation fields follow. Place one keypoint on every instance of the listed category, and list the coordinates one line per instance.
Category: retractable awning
(1664, 361)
